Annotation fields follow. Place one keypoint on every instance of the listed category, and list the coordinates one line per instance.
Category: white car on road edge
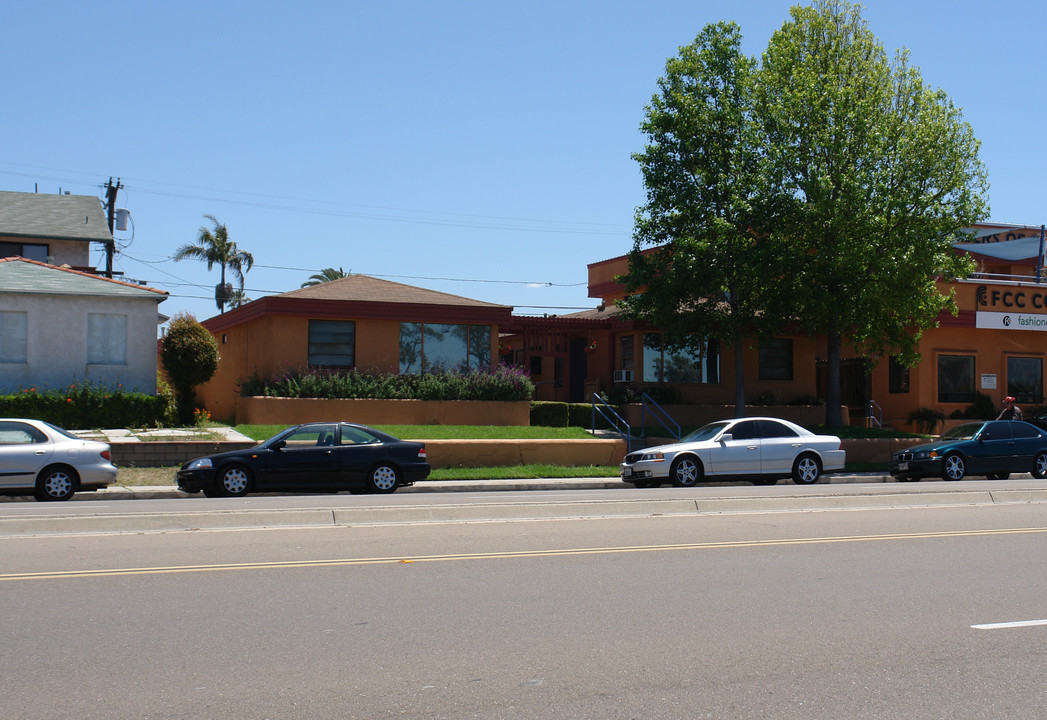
(759, 449)
(41, 459)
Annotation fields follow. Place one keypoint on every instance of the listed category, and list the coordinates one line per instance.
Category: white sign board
(988, 381)
(1010, 321)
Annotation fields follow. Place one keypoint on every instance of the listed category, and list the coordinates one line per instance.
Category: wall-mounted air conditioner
(623, 375)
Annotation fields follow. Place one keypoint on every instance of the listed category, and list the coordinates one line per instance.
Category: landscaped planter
(291, 411)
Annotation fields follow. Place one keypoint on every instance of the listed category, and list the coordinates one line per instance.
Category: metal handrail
(616, 421)
(648, 401)
(871, 417)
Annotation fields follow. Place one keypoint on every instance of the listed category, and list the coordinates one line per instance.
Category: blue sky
(476, 148)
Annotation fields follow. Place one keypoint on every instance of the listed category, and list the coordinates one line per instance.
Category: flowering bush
(502, 383)
(86, 405)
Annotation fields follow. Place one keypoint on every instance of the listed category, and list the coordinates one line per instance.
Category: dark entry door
(577, 362)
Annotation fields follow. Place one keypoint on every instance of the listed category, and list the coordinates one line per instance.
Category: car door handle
(751, 447)
(39, 452)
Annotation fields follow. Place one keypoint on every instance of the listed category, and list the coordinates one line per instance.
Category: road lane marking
(511, 554)
(1016, 624)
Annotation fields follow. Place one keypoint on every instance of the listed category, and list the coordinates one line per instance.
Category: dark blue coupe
(993, 448)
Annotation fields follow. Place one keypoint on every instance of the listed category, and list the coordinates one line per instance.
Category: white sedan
(38, 458)
(760, 449)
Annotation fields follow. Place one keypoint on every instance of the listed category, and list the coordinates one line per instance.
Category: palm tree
(215, 247)
(325, 275)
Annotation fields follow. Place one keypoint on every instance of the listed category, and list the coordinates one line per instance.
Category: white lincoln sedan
(38, 458)
(760, 449)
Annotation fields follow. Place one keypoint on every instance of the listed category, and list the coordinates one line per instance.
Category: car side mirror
(726, 437)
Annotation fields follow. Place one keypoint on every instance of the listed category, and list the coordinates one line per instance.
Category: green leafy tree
(215, 248)
(701, 266)
(190, 357)
(325, 275)
(873, 172)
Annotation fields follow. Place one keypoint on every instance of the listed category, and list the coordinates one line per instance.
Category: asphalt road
(833, 614)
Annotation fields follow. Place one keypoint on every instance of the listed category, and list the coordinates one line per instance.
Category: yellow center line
(563, 552)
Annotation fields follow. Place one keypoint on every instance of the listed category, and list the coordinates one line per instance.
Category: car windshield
(962, 432)
(706, 432)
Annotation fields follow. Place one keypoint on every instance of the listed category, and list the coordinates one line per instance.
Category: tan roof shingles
(364, 288)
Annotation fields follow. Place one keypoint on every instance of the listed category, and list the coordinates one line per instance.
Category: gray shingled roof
(55, 217)
(371, 289)
(21, 276)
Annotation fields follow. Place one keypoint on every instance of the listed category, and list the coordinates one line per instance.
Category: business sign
(1010, 321)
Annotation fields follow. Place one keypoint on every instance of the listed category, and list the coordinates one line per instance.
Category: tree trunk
(833, 413)
(739, 378)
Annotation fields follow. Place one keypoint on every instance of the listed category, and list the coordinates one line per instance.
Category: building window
(628, 356)
(429, 347)
(898, 376)
(106, 339)
(776, 359)
(14, 327)
(955, 378)
(332, 343)
(29, 251)
(1025, 379)
(681, 366)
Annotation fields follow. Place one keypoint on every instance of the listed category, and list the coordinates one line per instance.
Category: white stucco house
(60, 326)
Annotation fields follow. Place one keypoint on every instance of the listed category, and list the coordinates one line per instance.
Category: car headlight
(653, 456)
(199, 464)
(925, 455)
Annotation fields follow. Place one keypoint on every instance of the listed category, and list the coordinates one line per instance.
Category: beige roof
(364, 288)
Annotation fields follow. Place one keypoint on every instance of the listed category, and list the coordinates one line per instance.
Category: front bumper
(913, 468)
(193, 481)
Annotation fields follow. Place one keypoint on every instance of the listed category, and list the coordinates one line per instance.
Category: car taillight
(105, 454)
(421, 453)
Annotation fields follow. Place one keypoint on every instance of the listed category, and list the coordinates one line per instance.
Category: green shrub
(581, 415)
(925, 420)
(504, 383)
(85, 405)
(549, 414)
(981, 409)
(190, 356)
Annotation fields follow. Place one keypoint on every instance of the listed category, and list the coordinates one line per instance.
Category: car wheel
(1039, 466)
(685, 472)
(953, 467)
(56, 483)
(234, 481)
(807, 469)
(383, 479)
(765, 481)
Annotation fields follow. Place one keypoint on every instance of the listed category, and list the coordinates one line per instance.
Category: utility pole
(110, 206)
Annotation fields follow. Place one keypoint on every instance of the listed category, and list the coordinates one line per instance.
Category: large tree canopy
(876, 173)
(827, 185)
(712, 274)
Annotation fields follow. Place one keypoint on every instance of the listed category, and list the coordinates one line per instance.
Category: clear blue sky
(477, 148)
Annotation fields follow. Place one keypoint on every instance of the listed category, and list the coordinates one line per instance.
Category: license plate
(903, 466)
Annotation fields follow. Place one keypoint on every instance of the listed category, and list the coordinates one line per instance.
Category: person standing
(1010, 410)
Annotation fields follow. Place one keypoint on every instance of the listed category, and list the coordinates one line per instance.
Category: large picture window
(429, 347)
(776, 359)
(955, 378)
(14, 331)
(1025, 379)
(332, 343)
(106, 339)
(663, 365)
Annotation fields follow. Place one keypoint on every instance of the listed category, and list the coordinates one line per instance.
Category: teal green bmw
(993, 449)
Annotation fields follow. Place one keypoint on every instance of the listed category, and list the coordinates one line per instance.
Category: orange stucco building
(995, 345)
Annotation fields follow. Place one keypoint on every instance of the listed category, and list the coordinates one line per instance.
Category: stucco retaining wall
(291, 411)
